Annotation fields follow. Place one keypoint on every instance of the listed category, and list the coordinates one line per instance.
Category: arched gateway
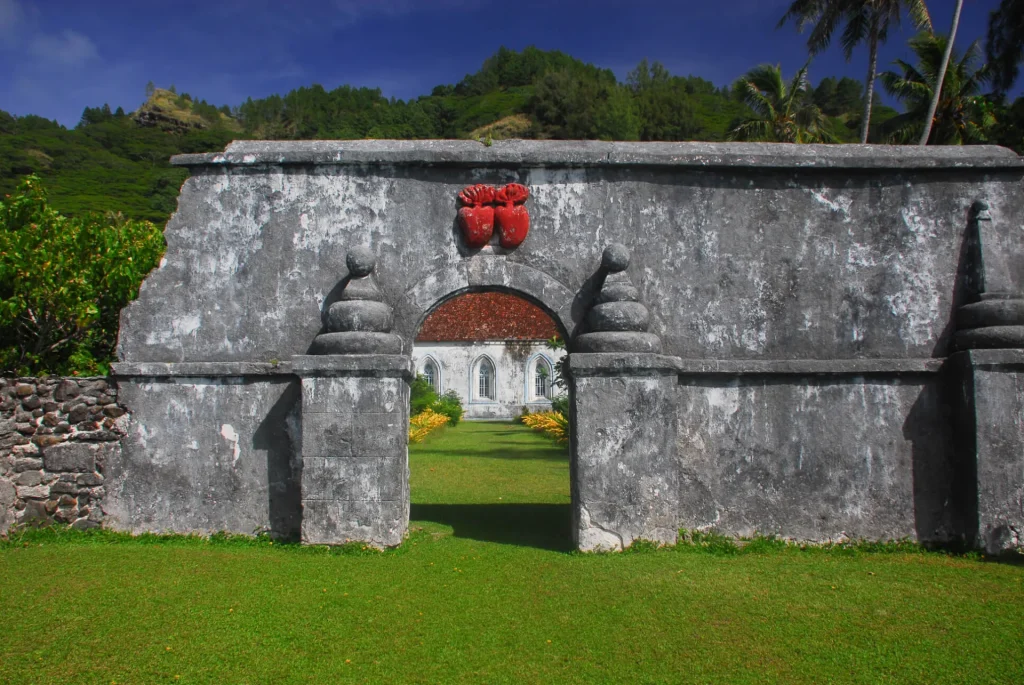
(757, 335)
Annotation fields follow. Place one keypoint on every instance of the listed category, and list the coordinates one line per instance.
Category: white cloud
(68, 48)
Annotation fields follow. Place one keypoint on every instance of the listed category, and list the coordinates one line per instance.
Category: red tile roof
(487, 316)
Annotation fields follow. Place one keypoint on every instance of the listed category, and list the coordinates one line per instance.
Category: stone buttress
(355, 417)
(625, 481)
(989, 372)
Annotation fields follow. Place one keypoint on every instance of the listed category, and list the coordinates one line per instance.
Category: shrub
(421, 395)
(63, 282)
(449, 404)
(425, 423)
(560, 404)
(550, 423)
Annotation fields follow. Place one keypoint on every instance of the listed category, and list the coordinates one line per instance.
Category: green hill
(119, 161)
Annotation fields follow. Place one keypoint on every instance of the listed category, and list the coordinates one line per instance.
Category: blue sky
(59, 56)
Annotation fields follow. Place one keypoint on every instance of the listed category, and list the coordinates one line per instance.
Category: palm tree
(866, 21)
(930, 117)
(782, 113)
(962, 115)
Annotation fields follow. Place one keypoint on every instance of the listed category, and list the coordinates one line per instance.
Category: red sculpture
(511, 217)
(478, 216)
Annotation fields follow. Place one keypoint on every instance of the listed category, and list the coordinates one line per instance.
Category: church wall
(514, 362)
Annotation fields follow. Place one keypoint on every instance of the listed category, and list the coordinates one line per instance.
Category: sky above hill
(59, 56)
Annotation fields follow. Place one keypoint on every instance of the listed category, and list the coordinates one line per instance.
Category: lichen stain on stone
(558, 195)
(841, 204)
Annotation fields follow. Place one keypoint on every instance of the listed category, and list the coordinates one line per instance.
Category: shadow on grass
(544, 526)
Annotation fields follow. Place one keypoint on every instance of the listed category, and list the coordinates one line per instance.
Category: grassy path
(459, 603)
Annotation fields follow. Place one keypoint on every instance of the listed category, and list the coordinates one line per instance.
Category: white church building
(491, 348)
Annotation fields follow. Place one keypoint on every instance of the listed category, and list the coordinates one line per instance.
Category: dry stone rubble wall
(56, 437)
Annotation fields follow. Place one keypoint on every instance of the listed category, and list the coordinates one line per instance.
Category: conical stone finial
(994, 319)
(618, 321)
(359, 322)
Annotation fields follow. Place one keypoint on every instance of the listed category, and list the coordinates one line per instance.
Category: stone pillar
(355, 420)
(989, 370)
(991, 447)
(625, 471)
(355, 461)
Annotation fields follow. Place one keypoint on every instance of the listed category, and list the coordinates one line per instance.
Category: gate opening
(496, 467)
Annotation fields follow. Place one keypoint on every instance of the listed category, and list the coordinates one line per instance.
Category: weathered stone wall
(57, 436)
(211, 454)
(820, 458)
(807, 293)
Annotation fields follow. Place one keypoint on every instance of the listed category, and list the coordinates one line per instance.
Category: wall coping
(531, 153)
(587, 363)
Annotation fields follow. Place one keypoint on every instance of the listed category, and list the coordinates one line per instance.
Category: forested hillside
(117, 161)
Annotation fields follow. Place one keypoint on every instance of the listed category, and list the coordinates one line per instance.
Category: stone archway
(487, 272)
(355, 399)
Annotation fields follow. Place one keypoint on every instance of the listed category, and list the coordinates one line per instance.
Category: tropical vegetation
(63, 282)
(782, 113)
(963, 115)
(864, 21)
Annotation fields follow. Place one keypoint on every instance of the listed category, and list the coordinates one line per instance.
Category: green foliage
(110, 165)
(1009, 127)
(421, 395)
(579, 104)
(782, 113)
(838, 97)
(560, 404)
(963, 115)
(1005, 45)
(863, 21)
(63, 282)
(449, 404)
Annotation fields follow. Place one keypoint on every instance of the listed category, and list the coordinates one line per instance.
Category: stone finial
(359, 322)
(994, 319)
(617, 321)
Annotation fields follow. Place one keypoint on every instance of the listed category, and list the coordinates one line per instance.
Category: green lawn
(484, 591)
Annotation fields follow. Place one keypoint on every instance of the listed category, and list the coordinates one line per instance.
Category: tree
(963, 115)
(662, 103)
(1005, 46)
(150, 89)
(63, 282)
(928, 119)
(782, 113)
(865, 21)
(576, 105)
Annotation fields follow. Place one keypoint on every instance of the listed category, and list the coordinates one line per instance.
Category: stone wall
(57, 436)
(807, 296)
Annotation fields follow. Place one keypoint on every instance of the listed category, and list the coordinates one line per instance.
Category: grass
(471, 599)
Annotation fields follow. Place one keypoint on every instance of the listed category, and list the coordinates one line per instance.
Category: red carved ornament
(510, 217)
(478, 217)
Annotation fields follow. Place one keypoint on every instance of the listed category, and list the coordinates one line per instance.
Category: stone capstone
(359, 322)
(617, 321)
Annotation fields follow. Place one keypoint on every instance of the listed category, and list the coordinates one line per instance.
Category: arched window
(541, 379)
(430, 373)
(485, 380)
